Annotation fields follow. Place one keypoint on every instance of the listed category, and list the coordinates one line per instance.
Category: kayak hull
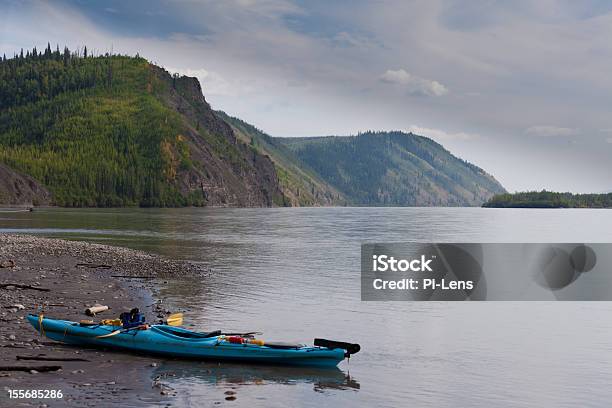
(175, 342)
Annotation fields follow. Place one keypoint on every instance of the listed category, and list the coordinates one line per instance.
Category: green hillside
(394, 169)
(549, 199)
(301, 186)
(117, 130)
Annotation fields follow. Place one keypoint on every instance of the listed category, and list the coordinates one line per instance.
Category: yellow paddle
(175, 319)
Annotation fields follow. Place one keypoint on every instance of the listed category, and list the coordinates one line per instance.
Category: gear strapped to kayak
(130, 332)
(133, 318)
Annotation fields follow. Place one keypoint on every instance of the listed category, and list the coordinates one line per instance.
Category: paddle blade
(175, 319)
(111, 334)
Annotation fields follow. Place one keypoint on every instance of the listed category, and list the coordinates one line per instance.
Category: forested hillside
(549, 199)
(301, 186)
(115, 130)
(395, 169)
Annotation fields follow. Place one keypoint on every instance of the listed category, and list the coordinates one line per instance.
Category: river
(293, 273)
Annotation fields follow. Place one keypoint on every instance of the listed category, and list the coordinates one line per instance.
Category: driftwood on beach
(40, 369)
(93, 266)
(95, 309)
(45, 358)
(20, 286)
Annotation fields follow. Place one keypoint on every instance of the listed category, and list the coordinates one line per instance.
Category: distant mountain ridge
(372, 168)
(81, 130)
(394, 169)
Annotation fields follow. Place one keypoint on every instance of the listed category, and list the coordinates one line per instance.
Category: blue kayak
(178, 342)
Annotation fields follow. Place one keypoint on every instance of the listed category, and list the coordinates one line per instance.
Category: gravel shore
(78, 275)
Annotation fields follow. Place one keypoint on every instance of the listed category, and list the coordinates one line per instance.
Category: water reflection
(187, 380)
(231, 374)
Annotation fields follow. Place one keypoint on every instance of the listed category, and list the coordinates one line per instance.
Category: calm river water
(294, 274)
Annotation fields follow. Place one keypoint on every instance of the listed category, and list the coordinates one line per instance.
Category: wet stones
(7, 264)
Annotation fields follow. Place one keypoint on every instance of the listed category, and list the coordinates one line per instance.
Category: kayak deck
(177, 342)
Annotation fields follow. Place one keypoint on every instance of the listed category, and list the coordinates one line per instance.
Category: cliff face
(21, 190)
(227, 171)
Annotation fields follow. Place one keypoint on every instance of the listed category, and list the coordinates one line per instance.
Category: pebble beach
(61, 279)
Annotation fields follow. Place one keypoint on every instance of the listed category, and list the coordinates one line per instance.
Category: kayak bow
(174, 341)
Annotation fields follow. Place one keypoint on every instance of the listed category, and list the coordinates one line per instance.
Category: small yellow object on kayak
(86, 322)
(111, 322)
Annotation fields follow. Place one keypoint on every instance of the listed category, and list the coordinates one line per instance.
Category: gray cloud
(551, 131)
(414, 85)
(441, 135)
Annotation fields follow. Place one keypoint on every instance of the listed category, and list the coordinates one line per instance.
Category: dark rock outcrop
(20, 189)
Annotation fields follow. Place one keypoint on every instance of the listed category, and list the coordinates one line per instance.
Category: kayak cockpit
(183, 333)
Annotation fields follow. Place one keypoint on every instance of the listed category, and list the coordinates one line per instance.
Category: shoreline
(77, 275)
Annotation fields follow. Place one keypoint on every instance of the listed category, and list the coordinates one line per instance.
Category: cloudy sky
(522, 88)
